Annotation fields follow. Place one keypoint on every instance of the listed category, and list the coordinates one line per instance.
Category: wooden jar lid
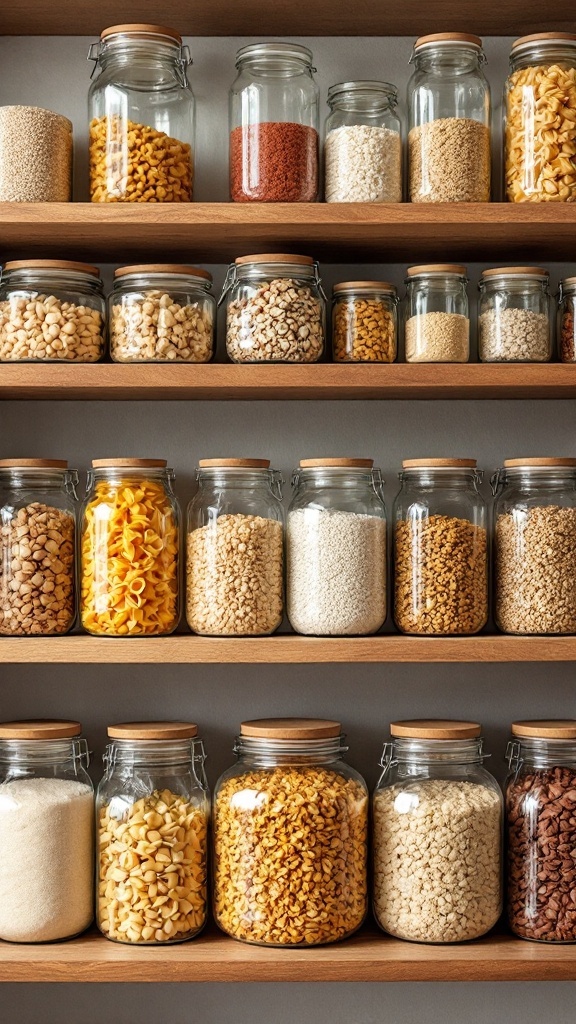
(275, 257)
(129, 463)
(163, 268)
(33, 464)
(542, 37)
(364, 286)
(546, 729)
(291, 728)
(138, 29)
(448, 37)
(516, 272)
(234, 463)
(435, 729)
(78, 268)
(437, 268)
(439, 463)
(337, 463)
(153, 730)
(510, 463)
(39, 729)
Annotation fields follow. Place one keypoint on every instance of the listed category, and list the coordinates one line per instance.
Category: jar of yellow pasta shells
(129, 569)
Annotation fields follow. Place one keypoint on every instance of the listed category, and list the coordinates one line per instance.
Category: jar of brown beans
(364, 322)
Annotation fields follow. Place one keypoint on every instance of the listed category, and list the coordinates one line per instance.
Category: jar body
(363, 145)
(365, 326)
(514, 324)
(36, 149)
(566, 324)
(161, 318)
(437, 320)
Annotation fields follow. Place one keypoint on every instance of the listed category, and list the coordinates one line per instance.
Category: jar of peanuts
(152, 822)
(364, 322)
(290, 823)
(129, 566)
(566, 331)
(436, 314)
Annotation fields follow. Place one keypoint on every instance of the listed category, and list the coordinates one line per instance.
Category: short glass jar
(290, 836)
(437, 834)
(152, 816)
(567, 321)
(363, 145)
(129, 549)
(514, 322)
(51, 310)
(336, 548)
(46, 832)
(364, 322)
(436, 316)
(235, 549)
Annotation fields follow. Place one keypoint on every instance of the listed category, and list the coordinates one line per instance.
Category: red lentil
(274, 162)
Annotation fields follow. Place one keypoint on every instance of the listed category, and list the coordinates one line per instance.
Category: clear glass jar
(364, 322)
(540, 798)
(274, 115)
(36, 149)
(514, 322)
(46, 832)
(540, 109)
(235, 549)
(129, 549)
(276, 309)
(567, 321)
(436, 316)
(142, 111)
(363, 144)
(152, 817)
(440, 548)
(449, 109)
(51, 310)
(535, 546)
(336, 548)
(437, 834)
(290, 836)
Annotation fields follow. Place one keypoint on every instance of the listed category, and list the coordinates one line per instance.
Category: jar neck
(515, 285)
(537, 752)
(453, 283)
(154, 753)
(544, 53)
(269, 753)
(533, 478)
(51, 280)
(436, 477)
(302, 272)
(123, 474)
(337, 478)
(26, 479)
(228, 478)
(408, 752)
(69, 753)
(163, 282)
(275, 66)
(451, 57)
(364, 101)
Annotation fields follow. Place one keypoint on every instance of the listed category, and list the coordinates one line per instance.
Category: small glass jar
(363, 145)
(540, 797)
(336, 548)
(514, 323)
(535, 546)
(46, 832)
(129, 549)
(142, 113)
(290, 836)
(364, 322)
(235, 549)
(449, 108)
(540, 110)
(51, 310)
(440, 548)
(276, 309)
(152, 818)
(274, 115)
(437, 320)
(437, 834)
(567, 321)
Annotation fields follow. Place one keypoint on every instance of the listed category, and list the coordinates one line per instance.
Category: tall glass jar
(567, 321)
(363, 146)
(129, 549)
(437, 834)
(235, 549)
(290, 836)
(440, 548)
(141, 110)
(152, 818)
(38, 507)
(274, 116)
(540, 108)
(540, 795)
(535, 546)
(514, 322)
(449, 109)
(436, 316)
(336, 548)
(46, 832)
(364, 322)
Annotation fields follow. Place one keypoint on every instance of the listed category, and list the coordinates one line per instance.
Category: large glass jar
(290, 836)
(440, 548)
(437, 834)
(363, 146)
(141, 111)
(449, 108)
(535, 546)
(514, 322)
(336, 548)
(364, 322)
(436, 316)
(540, 107)
(274, 115)
(46, 832)
(129, 549)
(152, 820)
(235, 549)
(567, 321)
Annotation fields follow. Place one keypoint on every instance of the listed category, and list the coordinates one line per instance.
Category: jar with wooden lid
(514, 322)
(363, 146)
(436, 316)
(364, 322)
(290, 825)
(567, 321)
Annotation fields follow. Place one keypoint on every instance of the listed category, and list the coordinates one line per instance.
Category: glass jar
(364, 322)
(152, 819)
(437, 834)
(437, 320)
(540, 107)
(235, 549)
(46, 832)
(535, 546)
(514, 324)
(276, 309)
(290, 836)
(566, 321)
(449, 109)
(363, 146)
(35, 155)
(440, 548)
(336, 548)
(129, 549)
(141, 111)
(540, 796)
(274, 116)
(51, 310)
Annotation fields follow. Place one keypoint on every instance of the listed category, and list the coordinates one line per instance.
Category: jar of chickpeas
(364, 322)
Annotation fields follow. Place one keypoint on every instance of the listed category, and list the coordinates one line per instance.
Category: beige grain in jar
(364, 322)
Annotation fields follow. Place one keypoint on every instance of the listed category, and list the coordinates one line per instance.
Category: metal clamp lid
(377, 481)
(232, 275)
